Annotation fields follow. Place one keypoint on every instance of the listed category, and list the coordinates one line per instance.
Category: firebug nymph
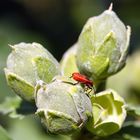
(80, 78)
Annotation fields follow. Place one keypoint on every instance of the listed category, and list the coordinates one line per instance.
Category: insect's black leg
(86, 88)
(76, 83)
(94, 88)
(89, 90)
(70, 82)
(53, 80)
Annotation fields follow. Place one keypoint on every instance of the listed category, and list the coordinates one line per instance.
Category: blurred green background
(56, 24)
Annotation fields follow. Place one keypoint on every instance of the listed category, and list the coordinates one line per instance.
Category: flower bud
(103, 46)
(62, 106)
(26, 64)
(109, 113)
(68, 61)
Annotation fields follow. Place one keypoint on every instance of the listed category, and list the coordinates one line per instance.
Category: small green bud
(103, 46)
(108, 112)
(26, 64)
(68, 61)
(62, 106)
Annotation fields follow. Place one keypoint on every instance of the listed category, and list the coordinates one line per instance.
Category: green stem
(100, 85)
(85, 135)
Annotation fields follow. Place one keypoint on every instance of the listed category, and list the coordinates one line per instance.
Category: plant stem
(85, 135)
(100, 85)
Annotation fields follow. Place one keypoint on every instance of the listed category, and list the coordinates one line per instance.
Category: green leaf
(133, 110)
(9, 106)
(130, 130)
(3, 134)
(15, 107)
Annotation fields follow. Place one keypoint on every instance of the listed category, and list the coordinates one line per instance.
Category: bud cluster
(64, 106)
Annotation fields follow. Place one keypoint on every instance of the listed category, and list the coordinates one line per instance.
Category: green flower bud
(62, 106)
(108, 113)
(103, 45)
(26, 64)
(68, 62)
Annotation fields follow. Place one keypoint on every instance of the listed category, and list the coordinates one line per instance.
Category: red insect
(83, 79)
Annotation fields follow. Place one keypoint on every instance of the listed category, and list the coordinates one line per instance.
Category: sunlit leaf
(130, 130)
(9, 106)
(133, 110)
(3, 134)
(15, 107)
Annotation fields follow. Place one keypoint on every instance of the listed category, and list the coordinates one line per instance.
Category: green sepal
(86, 40)
(20, 86)
(108, 45)
(99, 65)
(45, 69)
(56, 120)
